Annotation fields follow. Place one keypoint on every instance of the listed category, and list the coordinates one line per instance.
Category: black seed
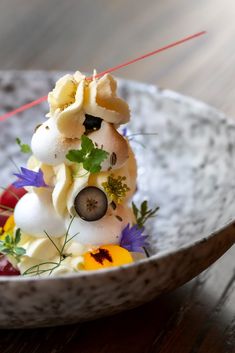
(91, 203)
(113, 159)
(119, 218)
(113, 205)
(92, 123)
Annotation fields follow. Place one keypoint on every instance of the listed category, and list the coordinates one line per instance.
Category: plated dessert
(70, 207)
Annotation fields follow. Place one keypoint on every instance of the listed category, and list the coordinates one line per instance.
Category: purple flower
(124, 131)
(132, 238)
(29, 178)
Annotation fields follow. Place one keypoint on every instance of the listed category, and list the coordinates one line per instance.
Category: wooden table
(71, 34)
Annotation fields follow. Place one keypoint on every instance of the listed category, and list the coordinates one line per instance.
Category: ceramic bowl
(188, 169)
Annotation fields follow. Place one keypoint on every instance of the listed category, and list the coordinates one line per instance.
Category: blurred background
(86, 34)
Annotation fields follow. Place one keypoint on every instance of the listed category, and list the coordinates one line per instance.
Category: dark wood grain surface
(72, 34)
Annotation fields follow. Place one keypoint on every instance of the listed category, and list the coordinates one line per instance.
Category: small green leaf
(143, 214)
(135, 210)
(17, 236)
(7, 251)
(20, 251)
(23, 146)
(75, 156)
(8, 239)
(87, 144)
(90, 156)
(93, 162)
(144, 207)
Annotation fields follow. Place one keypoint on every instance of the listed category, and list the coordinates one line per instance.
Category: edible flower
(132, 238)
(124, 132)
(106, 256)
(115, 188)
(8, 228)
(29, 178)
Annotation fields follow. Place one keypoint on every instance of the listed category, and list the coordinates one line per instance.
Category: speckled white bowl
(188, 169)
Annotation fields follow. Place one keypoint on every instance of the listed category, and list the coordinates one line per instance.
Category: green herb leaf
(8, 239)
(8, 246)
(143, 213)
(20, 251)
(90, 156)
(17, 236)
(23, 146)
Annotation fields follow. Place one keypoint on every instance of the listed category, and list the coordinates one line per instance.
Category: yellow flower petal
(9, 225)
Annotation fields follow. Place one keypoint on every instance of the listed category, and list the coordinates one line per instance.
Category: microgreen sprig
(24, 148)
(143, 213)
(9, 246)
(89, 155)
(40, 269)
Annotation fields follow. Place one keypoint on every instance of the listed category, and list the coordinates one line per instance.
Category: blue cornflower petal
(132, 238)
(29, 178)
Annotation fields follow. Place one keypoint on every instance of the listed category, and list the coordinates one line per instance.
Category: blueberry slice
(92, 123)
(91, 204)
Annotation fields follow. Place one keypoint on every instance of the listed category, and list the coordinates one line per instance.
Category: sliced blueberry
(91, 203)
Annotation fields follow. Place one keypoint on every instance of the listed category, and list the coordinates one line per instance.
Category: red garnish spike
(115, 68)
(174, 44)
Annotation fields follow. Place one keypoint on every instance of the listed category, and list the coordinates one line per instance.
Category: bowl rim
(170, 94)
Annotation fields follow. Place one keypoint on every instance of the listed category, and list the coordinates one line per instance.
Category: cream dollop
(102, 101)
(63, 182)
(44, 253)
(74, 96)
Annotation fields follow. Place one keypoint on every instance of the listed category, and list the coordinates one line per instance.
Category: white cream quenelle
(94, 204)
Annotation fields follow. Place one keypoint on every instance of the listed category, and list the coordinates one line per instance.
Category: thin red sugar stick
(174, 44)
(23, 107)
(115, 68)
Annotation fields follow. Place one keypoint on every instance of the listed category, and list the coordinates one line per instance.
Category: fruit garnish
(106, 256)
(91, 203)
(8, 201)
(90, 156)
(11, 196)
(92, 123)
(6, 268)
